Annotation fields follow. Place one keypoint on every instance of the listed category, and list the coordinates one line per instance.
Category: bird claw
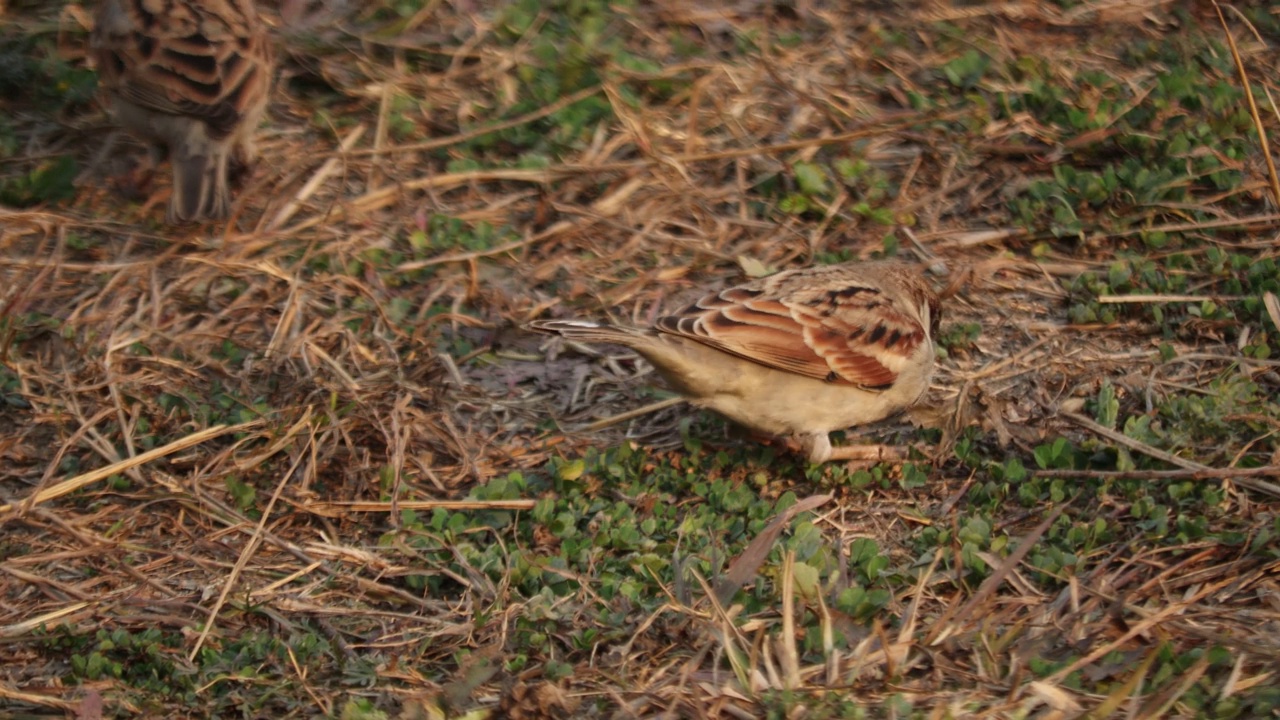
(818, 450)
(865, 457)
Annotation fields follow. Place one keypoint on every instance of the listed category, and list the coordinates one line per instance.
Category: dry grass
(308, 352)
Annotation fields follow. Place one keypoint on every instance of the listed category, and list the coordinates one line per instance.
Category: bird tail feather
(200, 189)
(587, 331)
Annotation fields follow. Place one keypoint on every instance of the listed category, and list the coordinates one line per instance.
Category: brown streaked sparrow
(796, 354)
(191, 77)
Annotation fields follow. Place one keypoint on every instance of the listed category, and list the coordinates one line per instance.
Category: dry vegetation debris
(227, 452)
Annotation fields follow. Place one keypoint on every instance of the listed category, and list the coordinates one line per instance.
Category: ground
(305, 462)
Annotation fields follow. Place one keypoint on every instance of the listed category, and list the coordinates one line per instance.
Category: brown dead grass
(362, 404)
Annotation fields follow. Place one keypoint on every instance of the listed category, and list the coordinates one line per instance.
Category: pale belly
(782, 403)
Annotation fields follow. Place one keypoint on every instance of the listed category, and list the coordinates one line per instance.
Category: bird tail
(200, 189)
(587, 331)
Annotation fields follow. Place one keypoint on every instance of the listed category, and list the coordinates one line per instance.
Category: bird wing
(829, 323)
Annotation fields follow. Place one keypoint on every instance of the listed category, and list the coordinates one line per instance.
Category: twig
(623, 417)
(1132, 444)
(53, 618)
(1112, 299)
(1187, 474)
(40, 699)
(945, 626)
(385, 196)
(251, 547)
(1253, 105)
(340, 509)
(555, 229)
(1273, 308)
(79, 481)
(1122, 439)
(317, 179)
(461, 138)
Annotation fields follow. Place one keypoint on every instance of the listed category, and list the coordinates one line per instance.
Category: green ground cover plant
(305, 463)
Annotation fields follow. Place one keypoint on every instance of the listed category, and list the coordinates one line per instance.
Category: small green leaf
(572, 470)
(242, 494)
(806, 577)
(1014, 471)
(1108, 405)
(862, 550)
(811, 178)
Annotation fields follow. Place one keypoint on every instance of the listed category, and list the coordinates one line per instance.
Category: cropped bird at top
(191, 77)
(797, 354)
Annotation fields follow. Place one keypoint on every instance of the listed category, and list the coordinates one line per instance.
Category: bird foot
(861, 457)
(818, 450)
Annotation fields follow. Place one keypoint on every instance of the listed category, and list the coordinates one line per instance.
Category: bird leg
(816, 445)
(870, 454)
(240, 164)
(819, 450)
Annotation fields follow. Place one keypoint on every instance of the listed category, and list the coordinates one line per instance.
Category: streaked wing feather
(207, 60)
(820, 325)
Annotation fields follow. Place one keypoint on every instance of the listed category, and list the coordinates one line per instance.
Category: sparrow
(796, 354)
(190, 78)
